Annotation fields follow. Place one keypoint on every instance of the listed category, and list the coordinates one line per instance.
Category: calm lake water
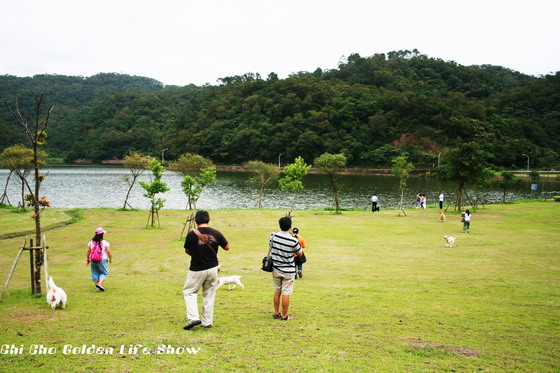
(104, 186)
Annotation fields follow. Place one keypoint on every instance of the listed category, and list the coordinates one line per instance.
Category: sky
(181, 42)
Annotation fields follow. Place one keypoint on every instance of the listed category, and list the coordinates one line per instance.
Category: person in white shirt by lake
(374, 201)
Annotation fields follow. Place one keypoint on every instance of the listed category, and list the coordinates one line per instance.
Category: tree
(332, 165)
(264, 174)
(191, 164)
(18, 159)
(293, 175)
(507, 179)
(36, 133)
(198, 172)
(193, 186)
(467, 163)
(401, 168)
(137, 164)
(153, 188)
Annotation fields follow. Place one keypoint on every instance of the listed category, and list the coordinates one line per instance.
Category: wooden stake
(45, 261)
(32, 266)
(13, 268)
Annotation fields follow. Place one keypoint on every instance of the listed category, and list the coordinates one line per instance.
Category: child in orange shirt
(299, 260)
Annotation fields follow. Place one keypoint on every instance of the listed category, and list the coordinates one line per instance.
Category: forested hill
(69, 93)
(369, 108)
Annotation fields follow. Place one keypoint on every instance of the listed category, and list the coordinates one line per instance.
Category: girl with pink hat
(99, 256)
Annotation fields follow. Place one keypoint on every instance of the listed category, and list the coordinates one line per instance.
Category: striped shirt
(283, 247)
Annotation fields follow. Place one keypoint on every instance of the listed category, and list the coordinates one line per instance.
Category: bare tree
(264, 174)
(36, 133)
(137, 164)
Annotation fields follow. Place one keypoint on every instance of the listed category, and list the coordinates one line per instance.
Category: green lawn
(379, 293)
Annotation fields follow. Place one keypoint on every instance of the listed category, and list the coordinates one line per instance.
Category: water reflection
(105, 186)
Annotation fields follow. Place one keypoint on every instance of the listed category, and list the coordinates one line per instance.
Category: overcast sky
(180, 42)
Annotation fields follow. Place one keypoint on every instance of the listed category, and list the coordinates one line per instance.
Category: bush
(557, 198)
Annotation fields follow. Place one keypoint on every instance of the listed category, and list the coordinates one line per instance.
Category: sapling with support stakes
(37, 257)
(36, 133)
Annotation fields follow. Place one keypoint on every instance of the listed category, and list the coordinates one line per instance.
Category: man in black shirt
(202, 245)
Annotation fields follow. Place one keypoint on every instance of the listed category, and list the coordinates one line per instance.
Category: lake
(90, 186)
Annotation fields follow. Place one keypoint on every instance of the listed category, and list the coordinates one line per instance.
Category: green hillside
(369, 108)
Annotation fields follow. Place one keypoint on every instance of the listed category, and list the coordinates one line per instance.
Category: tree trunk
(128, 194)
(37, 210)
(401, 203)
(5, 194)
(459, 194)
(335, 194)
(259, 203)
(22, 194)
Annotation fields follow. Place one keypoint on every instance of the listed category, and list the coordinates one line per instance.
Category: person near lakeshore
(202, 244)
(374, 200)
(297, 257)
(283, 246)
(99, 270)
(440, 200)
(418, 201)
(423, 201)
(467, 221)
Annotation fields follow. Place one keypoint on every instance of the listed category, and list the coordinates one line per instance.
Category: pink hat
(99, 231)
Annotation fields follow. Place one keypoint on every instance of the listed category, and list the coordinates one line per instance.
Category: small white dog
(230, 280)
(449, 241)
(55, 295)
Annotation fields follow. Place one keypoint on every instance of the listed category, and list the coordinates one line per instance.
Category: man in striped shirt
(283, 247)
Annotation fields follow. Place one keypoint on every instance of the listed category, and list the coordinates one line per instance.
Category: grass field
(380, 293)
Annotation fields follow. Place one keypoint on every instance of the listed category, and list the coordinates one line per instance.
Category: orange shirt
(301, 243)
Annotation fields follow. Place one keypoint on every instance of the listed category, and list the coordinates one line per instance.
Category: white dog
(449, 241)
(55, 295)
(231, 280)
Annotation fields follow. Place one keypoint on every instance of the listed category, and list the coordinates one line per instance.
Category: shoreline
(348, 171)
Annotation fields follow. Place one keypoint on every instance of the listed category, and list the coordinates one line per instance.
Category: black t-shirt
(202, 257)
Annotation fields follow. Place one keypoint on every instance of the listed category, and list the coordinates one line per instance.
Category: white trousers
(201, 279)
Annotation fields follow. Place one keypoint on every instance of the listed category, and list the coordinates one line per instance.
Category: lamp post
(279, 160)
(163, 151)
(527, 161)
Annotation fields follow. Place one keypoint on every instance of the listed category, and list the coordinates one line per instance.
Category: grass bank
(17, 223)
(379, 293)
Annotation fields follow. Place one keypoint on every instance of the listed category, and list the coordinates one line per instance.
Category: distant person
(466, 221)
(418, 201)
(98, 258)
(297, 257)
(374, 201)
(202, 245)
(423, 201)
(283, 247)
(440, 200)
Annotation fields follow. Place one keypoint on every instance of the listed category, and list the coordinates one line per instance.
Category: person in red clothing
(297, 257)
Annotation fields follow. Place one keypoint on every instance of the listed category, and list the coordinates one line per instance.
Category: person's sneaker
(277, 316)
(206, 326)
(285, 318)
(100, 287)
(192, 324)
(300, 274)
